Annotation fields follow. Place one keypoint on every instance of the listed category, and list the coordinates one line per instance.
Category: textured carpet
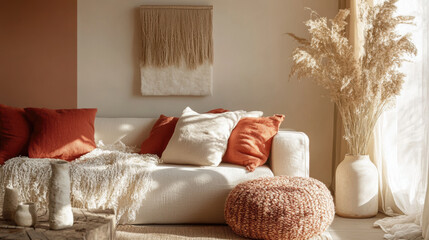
(179, 232)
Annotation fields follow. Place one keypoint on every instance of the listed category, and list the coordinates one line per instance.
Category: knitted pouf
(280, 208)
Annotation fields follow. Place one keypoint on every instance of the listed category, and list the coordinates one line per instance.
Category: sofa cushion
(200, 139)
(250, 142)
(130, 131)
(14, 132)
(192, 194)
(63, 133)
(161, 134)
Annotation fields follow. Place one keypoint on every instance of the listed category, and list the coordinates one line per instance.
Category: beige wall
(38, 53)
(251, 67)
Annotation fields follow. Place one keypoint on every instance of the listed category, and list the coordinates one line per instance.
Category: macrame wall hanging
(177, 50)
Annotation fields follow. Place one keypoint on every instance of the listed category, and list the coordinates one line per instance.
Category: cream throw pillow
(201, 139)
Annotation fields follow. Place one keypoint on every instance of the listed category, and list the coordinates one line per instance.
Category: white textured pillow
(255, 114)
(200, 139)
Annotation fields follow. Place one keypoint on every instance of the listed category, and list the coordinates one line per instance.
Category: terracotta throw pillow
(14, 132)
(64, 133)
(161, 134)
(250, 142)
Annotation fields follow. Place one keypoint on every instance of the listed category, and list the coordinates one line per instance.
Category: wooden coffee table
(88, 224)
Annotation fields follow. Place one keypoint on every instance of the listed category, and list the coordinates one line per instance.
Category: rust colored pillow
(63, 133)
(161, 134)
(250, 142)
(14, 132)
(218, 110)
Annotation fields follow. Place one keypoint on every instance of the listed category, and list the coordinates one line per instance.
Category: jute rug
(180, 232)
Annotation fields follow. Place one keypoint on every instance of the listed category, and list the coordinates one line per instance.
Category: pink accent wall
(38, 53)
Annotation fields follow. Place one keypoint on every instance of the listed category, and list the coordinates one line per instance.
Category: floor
(341, 228)
(355, 229)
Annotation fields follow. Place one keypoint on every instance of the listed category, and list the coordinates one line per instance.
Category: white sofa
(191, 194)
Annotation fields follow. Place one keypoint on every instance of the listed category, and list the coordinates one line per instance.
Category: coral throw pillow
(64, 133)
(200, 139)
(14, 132)
(250, 142)
(161, 134)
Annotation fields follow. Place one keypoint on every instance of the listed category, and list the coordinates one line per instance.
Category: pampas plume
(363, 87)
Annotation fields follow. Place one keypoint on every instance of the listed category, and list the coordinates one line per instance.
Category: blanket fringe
(109, 177)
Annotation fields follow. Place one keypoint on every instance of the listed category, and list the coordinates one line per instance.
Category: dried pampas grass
(362, 88)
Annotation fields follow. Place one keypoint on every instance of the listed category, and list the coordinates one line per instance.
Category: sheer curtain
(401, 140)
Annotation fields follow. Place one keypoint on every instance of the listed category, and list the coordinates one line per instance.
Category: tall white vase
(60, 211)
(356, 187)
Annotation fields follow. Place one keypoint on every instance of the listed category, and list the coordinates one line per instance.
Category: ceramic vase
(60, 211)
(356, 187)
(10, 203)
(26, 215)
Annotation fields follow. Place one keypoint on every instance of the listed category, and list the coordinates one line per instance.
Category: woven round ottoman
(280, 207)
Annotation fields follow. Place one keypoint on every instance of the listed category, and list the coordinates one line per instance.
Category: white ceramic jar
(26, 215)
(356, 187)
(10, 203)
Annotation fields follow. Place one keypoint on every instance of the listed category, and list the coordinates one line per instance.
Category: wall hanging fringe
(177, 50)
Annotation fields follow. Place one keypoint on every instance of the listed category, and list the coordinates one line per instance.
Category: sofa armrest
(290, 154)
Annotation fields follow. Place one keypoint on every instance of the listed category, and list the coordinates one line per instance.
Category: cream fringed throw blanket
(108, 177)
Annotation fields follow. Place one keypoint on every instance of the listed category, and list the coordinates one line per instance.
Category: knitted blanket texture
(112, 176)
